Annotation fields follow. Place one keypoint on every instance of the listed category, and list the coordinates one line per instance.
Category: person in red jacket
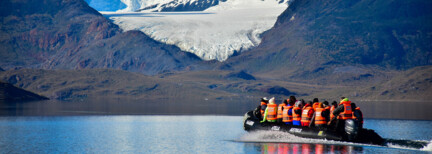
(307, 114)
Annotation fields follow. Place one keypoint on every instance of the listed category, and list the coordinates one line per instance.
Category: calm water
(378, 110)
(180, 134)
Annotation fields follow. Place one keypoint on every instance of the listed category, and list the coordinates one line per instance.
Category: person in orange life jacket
(270, 112)
(342, 113)
(320, 117)
(315, 103)
(297, 111)
(287, 116)
(280, 111)
(357, 114)
(307, 114)
(263, 104)
(344, 110)
(332, 108)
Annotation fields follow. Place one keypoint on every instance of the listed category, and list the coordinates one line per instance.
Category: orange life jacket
(315, 105)
(319, 119)
(331, 111)
(263, 107)
(354, 117)
(286, 117)
(280, 110)
(271, 111)
(305, 118)
(347, 113)
(296, 117)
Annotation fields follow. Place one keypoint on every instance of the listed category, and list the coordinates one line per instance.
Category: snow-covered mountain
(218, 32)
(181, 5)
(155, 5)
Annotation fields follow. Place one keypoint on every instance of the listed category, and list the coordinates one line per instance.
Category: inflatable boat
(351, 133)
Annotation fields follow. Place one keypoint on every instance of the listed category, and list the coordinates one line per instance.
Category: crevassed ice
(216, 33)
(133, 5)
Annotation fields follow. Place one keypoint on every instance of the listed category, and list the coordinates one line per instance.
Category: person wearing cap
(270, 113)
(342, 113)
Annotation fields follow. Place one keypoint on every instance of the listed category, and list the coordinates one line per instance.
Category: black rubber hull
(251, 123)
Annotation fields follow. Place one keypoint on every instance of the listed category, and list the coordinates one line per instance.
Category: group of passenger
(309, 114)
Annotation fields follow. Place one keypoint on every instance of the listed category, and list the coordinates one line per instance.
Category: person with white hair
(270, 113)
(297, 110)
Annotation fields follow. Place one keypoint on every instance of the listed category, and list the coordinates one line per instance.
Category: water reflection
(122, 107)
(296, 148)
(103, 106)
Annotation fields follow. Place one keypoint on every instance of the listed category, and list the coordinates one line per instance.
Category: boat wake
(428, 147)
(409, 144)
(283, 137)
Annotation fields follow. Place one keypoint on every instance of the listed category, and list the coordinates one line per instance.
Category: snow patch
(216, 33)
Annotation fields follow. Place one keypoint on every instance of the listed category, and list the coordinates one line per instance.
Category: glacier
(215, 33)
(168, 5)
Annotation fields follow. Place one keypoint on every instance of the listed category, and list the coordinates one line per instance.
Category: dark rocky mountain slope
(316, 38)
(10, 93)
(68, 34)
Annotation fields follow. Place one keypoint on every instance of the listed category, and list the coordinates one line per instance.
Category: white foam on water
(397, 146)
(428, 147)
(270, 136)
(284, 137)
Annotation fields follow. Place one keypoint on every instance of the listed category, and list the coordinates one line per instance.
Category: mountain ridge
(316, 49)
(312, 38)
(72, 35)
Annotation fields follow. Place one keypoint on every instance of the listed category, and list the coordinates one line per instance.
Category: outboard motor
(351, 129)
(248, 120)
